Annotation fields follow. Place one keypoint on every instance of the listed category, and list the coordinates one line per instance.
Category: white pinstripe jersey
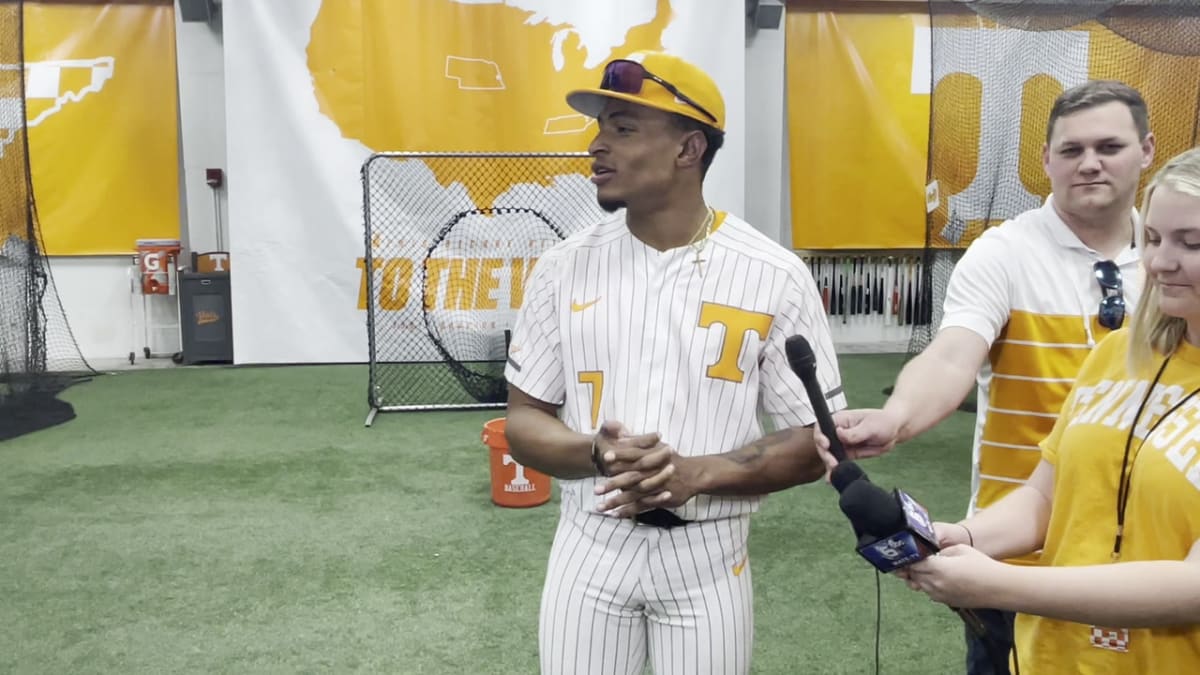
(613, 329)
(1028, 288)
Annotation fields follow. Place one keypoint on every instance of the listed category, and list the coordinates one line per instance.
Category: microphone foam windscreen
(844, 474)
(799, 352)
(872, 509)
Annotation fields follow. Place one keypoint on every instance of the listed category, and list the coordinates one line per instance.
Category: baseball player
(645, 349)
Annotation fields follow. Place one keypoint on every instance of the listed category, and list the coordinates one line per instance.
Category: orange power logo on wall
(495, 83)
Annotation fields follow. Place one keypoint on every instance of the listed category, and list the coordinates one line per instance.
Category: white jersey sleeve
(979, 295)
(535, 359)
(801, 313)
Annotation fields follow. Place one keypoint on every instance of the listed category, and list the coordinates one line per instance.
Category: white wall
(199, 52)
(96, 299)
(108, 320)
(766, 150)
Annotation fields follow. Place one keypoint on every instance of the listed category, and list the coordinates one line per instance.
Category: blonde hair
(1152, 331)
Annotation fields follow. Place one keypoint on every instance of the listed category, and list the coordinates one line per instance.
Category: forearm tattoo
(758, 449)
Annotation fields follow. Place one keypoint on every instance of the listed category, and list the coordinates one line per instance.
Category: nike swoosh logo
(580, 306)
(737, 569)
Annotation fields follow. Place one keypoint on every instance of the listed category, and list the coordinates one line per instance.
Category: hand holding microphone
(869, 432)
(803, 363)
(893, 530)
(864, 432)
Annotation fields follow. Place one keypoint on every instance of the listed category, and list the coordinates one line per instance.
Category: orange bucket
(513, 485)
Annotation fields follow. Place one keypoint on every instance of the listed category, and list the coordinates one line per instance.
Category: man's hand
(636, 465)
(866, 432)
(670, 487)
(619, 451)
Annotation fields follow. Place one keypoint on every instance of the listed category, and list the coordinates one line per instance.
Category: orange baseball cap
(656, 80)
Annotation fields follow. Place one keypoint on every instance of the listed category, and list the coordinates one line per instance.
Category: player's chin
(610, 200)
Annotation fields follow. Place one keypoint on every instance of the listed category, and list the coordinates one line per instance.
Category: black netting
(466, 328)
(38, 354)
(451, 240)
(1168, 27)
(1038, 15)
(994, 82)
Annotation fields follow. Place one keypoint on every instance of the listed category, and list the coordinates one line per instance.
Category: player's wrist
(697, 474)
(597, 456)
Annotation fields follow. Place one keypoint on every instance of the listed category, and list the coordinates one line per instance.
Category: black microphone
(804, 364)
(893, 529)
(846, 473)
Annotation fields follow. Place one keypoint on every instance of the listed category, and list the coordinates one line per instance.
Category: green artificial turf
(244, 520)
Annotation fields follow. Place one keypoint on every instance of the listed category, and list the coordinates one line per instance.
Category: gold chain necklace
(698, 243)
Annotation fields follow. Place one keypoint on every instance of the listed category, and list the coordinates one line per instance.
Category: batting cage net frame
(1036, 49)
(449, 241)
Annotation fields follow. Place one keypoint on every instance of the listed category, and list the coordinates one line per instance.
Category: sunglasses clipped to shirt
(1112, 305)
(627, 77)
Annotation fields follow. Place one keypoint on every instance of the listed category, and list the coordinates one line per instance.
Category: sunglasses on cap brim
(627, 77)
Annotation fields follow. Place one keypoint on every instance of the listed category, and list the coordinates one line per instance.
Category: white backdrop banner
(314, 87)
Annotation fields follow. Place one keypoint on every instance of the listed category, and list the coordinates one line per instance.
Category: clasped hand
(642, 471)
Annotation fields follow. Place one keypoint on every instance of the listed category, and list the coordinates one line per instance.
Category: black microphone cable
(874, 513)
(878, 618)
(995, 655)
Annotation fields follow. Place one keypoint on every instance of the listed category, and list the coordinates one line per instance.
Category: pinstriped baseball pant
(618, 593)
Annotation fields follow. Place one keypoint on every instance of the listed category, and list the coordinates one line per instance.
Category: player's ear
(692, 148)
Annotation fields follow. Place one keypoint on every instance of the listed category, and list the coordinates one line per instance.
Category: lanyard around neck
(1127, 463)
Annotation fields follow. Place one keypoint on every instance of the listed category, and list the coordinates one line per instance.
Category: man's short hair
(713, 136)
(1097, 93)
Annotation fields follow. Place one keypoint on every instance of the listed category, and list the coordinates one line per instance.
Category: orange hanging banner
(102, 114)
(858, 128)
